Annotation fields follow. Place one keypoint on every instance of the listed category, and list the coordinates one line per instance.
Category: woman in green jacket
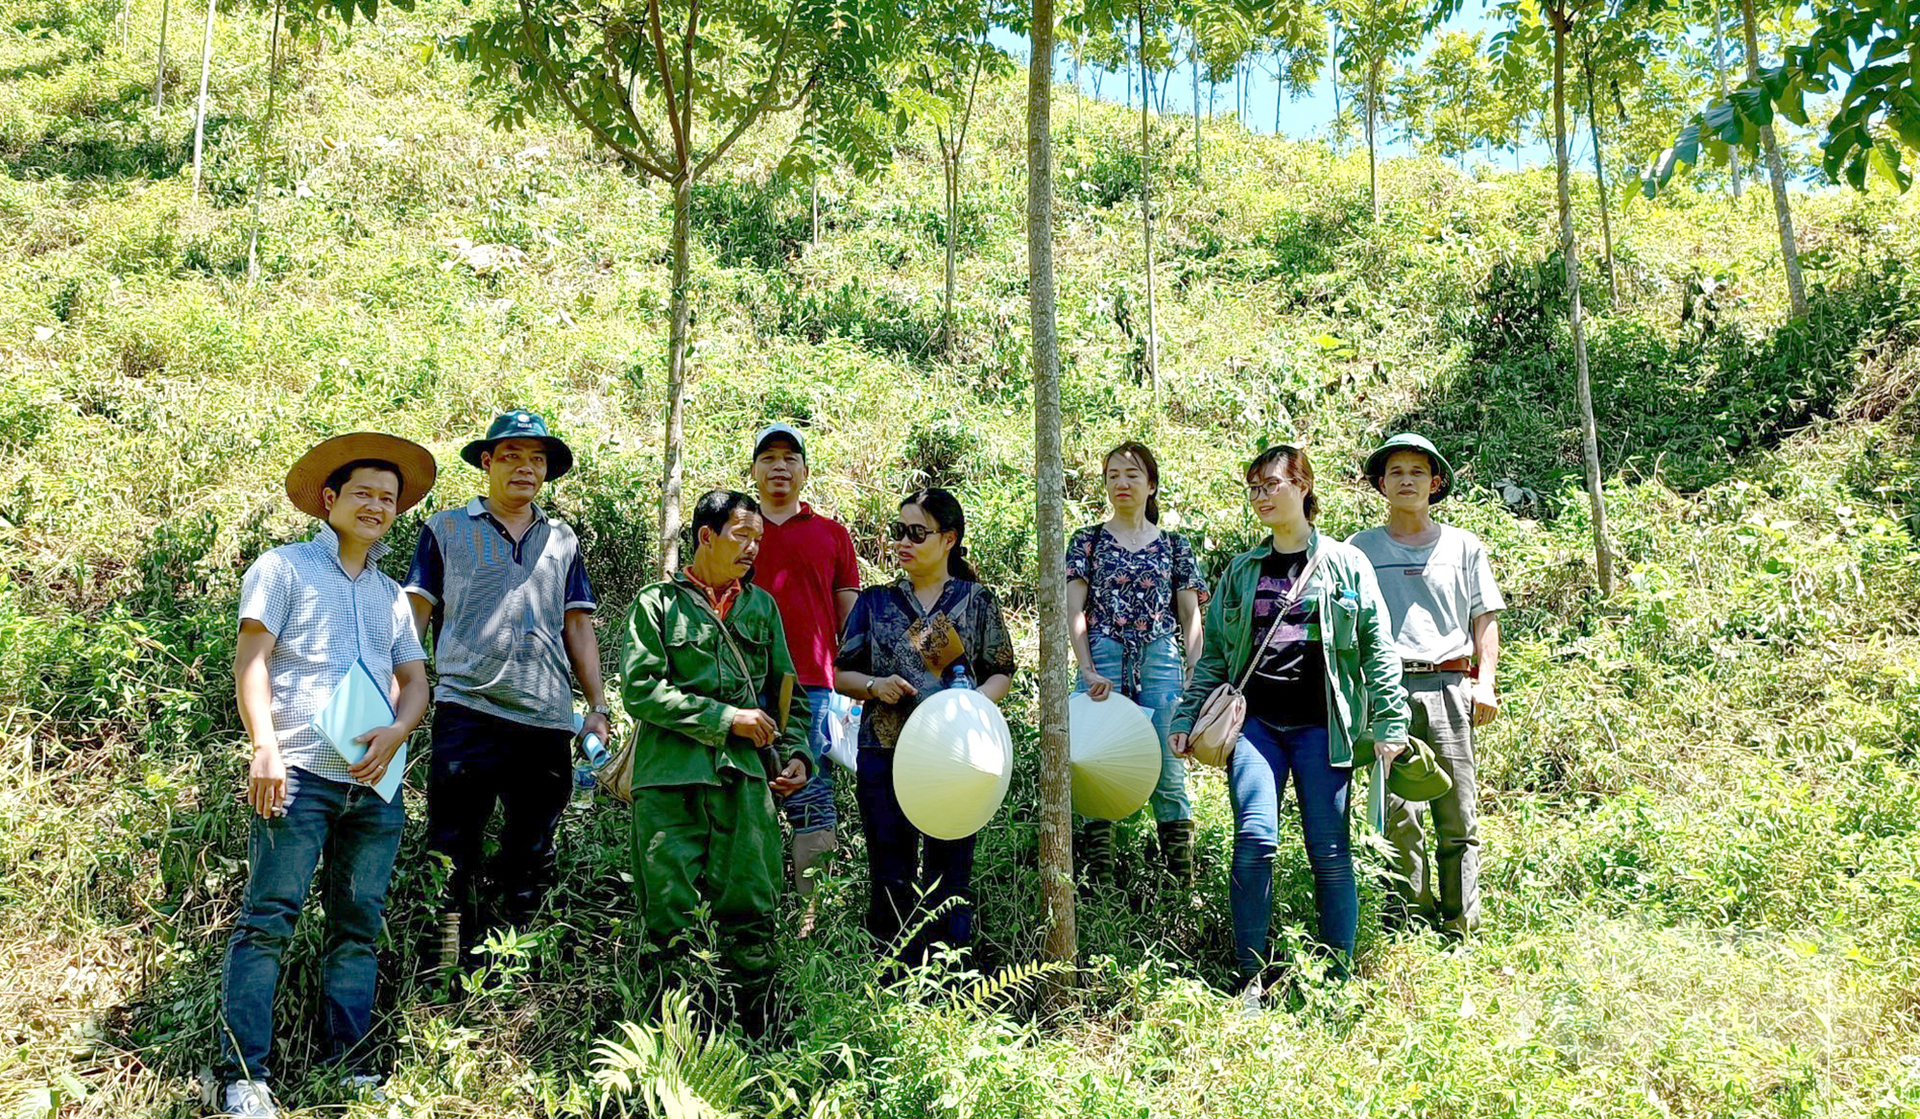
(1323, 672)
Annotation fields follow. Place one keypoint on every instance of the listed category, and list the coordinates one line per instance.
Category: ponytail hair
(943, 509)
(1140, 456)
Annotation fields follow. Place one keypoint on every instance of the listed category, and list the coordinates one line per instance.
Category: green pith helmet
(522, 425)
(1416, 773)
(1408, 441)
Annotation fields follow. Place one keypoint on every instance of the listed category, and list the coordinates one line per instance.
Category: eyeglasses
(916, 533)
(1259, 490)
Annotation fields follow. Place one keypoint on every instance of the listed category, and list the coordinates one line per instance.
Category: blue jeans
(900, 874)
(1162, 673)
(360, 836)
(810, 808)
(1257, 776)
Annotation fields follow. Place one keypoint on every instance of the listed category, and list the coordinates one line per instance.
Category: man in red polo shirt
(806, 562)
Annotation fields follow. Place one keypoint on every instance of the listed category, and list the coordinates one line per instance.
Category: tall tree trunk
(1373, 163)
(1199, 163)
(950, 171)
(1056, 813)
(1777, 168)
(1333, 56)
(160, 67)
(672, 465)
(813, 204)
(1570, 251)
(1146, 212)
(260, 146)
(1720, 72)
(200, 108)
(1600, 179)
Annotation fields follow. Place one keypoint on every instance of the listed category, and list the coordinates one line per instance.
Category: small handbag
(1217, 729)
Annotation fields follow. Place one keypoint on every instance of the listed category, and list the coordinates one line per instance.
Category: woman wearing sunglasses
(1298, 623)
(1134, 596)
(904, 641)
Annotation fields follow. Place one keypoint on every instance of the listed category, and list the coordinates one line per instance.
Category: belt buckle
(1418, 668)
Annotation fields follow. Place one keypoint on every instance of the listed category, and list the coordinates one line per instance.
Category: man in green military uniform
(719, 731)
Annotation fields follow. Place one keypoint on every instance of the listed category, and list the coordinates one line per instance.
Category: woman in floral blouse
(1134, 598)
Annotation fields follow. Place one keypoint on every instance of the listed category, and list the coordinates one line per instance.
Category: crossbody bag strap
(726, 634)
(1287, 602)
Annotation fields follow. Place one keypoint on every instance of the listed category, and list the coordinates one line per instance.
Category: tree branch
(766, 95)
(538, 49)
(686, 72)
(666, 82)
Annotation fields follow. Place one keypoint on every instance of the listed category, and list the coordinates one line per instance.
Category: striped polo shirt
(322, 620)
(499, 612)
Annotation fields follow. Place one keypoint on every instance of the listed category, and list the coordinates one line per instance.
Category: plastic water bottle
(594, 758)
(960, 677)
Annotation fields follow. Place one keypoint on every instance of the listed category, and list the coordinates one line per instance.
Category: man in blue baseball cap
(506, 592)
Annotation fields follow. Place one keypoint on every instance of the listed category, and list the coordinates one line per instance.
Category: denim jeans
(900, 873)
(810, 808)
(360, 835)
(478, 760)
(1262, 760)
(1162, 673)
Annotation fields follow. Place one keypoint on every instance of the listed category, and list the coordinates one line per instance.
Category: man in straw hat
(309, 614)
(807, 563)
(1444, 606)
(719, 731)
(505, 589)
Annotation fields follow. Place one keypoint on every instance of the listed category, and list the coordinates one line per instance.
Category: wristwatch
(601, 709)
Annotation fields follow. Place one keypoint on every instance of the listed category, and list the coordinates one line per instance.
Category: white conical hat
(1115, 753)
(953, 763)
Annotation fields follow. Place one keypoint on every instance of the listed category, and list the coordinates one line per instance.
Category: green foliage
(1700, 825)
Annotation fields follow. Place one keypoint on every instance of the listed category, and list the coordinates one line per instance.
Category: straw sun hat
(1115, 755)
(952, 763)
(309, 475)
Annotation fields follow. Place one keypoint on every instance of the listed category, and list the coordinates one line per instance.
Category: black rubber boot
(1176, 851)
(1096, 853)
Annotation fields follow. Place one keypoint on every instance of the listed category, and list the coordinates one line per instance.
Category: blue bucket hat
(521, 425)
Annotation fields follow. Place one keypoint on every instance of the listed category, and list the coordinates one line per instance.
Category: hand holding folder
(358, 707)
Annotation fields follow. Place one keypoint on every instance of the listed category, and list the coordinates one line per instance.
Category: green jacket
(682, 680)
(1363, 670)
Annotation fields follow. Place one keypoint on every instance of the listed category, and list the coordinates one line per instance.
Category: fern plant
(672, 1069)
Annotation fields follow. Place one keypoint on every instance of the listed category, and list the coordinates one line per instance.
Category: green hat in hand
(1408, 441)
(1416, 773)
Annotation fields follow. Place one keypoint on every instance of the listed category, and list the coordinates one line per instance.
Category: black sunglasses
(900, 530)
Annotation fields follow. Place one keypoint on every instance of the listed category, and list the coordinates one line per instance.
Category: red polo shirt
(804, 563)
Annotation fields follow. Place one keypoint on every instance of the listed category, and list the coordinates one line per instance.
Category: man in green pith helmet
(504, 588)
(719, 731)
(1445, 605)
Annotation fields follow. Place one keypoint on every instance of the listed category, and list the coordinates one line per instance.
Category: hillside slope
(1701, 816)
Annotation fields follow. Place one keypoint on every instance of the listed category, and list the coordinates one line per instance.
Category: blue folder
(359, 704)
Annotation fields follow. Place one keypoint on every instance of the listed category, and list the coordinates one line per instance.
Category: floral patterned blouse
(1130, 595)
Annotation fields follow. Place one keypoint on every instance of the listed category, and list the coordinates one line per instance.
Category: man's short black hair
(716, 507)
(337, 481)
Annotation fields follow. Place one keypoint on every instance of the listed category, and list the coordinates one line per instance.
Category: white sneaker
(1250, 999)
(364, 1086)
(249, 1099)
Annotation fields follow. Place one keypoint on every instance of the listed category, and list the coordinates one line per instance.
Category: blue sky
(1301, 119)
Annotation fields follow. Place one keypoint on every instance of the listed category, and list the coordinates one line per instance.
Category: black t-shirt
(1289, 682)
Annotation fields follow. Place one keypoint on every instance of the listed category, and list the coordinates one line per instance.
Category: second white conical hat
(1115, 754)
(952, 764)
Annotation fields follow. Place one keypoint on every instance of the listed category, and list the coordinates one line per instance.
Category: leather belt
(1421, 668)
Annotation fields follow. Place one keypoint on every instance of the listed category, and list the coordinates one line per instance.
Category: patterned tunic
(884, 637)
(1130, 595)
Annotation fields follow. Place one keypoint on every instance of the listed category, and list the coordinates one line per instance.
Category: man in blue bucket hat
(505, 590)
